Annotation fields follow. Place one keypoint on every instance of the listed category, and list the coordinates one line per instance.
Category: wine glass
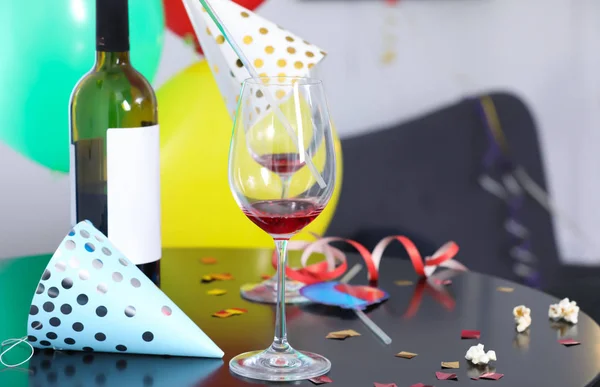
(284, 165)
(282, 175)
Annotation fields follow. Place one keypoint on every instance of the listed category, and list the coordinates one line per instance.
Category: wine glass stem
(280, 343)
(285, 184)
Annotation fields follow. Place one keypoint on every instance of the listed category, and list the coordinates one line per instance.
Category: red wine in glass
(282, 217)
(281, 163)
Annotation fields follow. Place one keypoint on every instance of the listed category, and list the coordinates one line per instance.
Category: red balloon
(178, 22)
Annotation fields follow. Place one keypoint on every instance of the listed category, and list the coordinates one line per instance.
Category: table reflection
(564, 329)
(522, 340)
(82, 369)
(475, 371)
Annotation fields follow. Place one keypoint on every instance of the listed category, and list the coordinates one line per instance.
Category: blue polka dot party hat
(92, 298)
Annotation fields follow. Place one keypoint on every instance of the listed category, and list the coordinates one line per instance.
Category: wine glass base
(285, 366)
(265, 292)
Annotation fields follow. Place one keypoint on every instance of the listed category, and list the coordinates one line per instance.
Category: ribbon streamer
(11, 344)
(335, 263)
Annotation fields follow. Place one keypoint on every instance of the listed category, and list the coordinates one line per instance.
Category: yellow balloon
(198, 209)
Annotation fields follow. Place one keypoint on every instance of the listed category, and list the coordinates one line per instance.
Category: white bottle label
(133, 192)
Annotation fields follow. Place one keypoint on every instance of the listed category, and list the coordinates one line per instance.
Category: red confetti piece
(468, 334)
(266, 276)
(445, 376)
(222, 314)
(222, 276)
(491, 376)
(321, 380)
(568, 342)
(208, 260)
(384, 384)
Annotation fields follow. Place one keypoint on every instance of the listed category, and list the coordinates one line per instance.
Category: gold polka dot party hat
(270, 50)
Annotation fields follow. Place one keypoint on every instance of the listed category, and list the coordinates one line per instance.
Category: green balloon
(47, 46)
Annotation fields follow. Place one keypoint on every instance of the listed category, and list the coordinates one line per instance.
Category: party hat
(111, 369)
(271, 50)
(92, 298)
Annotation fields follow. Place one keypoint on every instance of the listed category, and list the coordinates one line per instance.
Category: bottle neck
(112, 26)
(107, 60)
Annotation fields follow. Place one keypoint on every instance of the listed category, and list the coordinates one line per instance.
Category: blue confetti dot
(90, 247)
(71, 233)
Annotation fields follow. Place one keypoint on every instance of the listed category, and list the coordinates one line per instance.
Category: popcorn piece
(477, 355)
(522, 316)
(566, 310)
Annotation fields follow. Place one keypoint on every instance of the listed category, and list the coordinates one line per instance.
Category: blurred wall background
(387, 64)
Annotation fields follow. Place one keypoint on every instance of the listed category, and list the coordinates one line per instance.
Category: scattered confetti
(505, 289)
(266, 276)
(229, 312)
(222, 314)
(216, 292)
(406, 355)
(404, 283)
(491, 376)
(208, 260)
(475, 371)
(341, 335)
(206, 279)
(450, 364)
(468, 334)
(568, 342)
(222, 276)
(237, 310)
(445, 376)
(385, 385)
(321, 380)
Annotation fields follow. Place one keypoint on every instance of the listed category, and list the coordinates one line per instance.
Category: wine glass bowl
(274, 163)
(281, 174)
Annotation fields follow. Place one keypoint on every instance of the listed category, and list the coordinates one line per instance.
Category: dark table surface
(417, 318)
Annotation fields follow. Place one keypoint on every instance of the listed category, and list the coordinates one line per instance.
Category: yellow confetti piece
(222, 314)
(406, 355)
(403, 283)
(216, 292)
(505, 289)
(450, 364)
(236, 311)
(341, 335)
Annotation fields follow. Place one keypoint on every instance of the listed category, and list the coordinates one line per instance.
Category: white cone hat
(92, 298)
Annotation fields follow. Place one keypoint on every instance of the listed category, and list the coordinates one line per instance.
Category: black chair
(421, 179)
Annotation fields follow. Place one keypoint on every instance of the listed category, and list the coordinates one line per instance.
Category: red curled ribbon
(335, 263)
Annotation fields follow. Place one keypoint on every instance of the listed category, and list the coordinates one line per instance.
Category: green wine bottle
(115, 167)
